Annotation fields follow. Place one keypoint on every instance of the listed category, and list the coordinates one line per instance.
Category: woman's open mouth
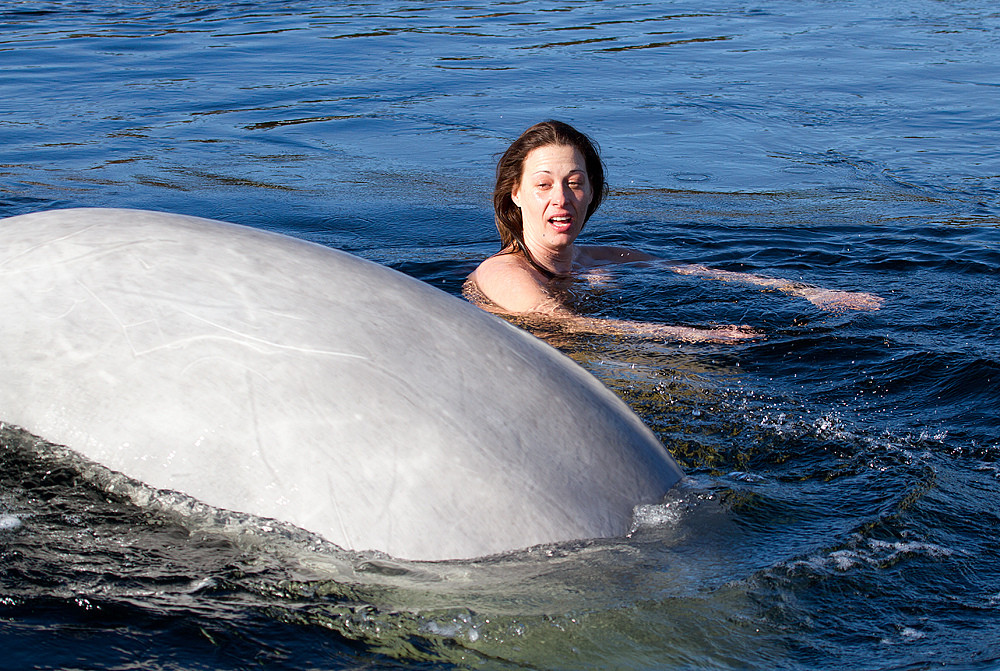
(561, 223)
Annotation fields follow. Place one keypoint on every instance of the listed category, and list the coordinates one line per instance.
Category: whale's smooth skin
(272, 376)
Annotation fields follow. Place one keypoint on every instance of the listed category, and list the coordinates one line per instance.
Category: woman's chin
(563, 233)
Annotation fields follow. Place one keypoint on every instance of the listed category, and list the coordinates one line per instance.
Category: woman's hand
(829, 299)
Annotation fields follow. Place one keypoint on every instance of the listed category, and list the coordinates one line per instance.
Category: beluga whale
(280, 378)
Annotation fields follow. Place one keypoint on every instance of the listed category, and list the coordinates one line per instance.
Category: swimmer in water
(549, 182)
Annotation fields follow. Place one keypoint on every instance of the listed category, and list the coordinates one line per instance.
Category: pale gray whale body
(271, 376)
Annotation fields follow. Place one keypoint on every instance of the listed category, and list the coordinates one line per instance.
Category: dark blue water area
(841, 509)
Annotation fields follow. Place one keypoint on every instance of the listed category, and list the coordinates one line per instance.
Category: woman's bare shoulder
(510, 282)
(502, 262)
(499, 270)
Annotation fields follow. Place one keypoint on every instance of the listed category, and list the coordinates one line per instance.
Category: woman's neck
(557, 261)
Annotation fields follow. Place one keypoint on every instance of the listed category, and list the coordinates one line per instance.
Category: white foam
(907, 634)
(655, 515)
(462, 625)
(878, 553)
(871, 553)
(744, 476)
(9, 522)
(912, 634)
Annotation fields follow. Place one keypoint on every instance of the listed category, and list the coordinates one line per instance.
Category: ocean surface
(841, 509)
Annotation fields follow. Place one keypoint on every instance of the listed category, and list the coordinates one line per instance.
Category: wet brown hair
(510, 169)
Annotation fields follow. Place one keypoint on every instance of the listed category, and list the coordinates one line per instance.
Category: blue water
(842, 507)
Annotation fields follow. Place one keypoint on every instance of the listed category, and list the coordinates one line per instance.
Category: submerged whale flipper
(276, 377)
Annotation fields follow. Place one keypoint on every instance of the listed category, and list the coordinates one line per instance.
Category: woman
(549, 182)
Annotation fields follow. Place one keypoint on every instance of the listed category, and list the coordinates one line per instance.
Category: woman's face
(553, 195)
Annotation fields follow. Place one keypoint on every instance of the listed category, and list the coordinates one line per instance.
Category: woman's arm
(826, 299)
(721, 334)
(507, 285)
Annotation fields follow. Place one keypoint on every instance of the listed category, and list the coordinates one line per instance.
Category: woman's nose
(559, 194)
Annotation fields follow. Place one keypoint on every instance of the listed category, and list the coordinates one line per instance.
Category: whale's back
(272, 376)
